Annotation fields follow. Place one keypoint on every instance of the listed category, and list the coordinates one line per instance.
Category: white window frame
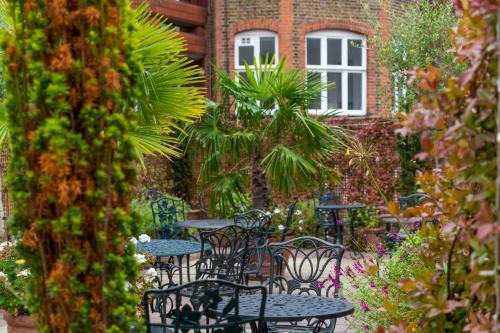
(324, 68)
(253, 36)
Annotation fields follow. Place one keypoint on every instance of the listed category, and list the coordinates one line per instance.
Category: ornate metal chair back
(306, 265)
(203, 310)
(289, 218)
(164, 214)
(224, 253)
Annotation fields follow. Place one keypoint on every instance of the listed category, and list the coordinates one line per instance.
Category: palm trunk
(260, 191)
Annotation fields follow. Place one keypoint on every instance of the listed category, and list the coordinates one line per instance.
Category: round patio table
(289, 308)
(339, 229)
(205, 224)
(170, 248)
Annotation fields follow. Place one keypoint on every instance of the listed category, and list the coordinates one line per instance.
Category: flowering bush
(13, 278)
(374, 286)
(304, 219)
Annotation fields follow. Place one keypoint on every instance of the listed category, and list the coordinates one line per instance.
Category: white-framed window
(340, 57)
(255, 45)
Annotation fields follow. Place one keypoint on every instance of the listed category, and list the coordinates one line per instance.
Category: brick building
(326, 38)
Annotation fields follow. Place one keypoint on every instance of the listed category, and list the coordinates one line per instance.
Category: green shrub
(374, 287)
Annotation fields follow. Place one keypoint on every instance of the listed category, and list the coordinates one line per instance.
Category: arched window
(338, 57)
(255, 45)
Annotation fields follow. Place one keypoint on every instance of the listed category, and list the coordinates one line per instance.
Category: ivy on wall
(70, 72)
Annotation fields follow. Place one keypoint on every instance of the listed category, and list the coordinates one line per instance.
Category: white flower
(140, 258)
(277, 211)
(3, 245)
(298, 212)
(151, 273)
(24, 273)
(268, 213)
(144, 238)
(133, 240)
(3, 277)
(281, 227)
(128, 286)
(301, 221)
(300, 228)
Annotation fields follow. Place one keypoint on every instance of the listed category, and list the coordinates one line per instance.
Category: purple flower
(336, 284)
(330, 278)
(380, 250)
(337, 271)
(320, 284)
(385, 291)
(364, 307)
(366, 326)
(357, 266)
(340, 222)
(371, 284)
(348, 271)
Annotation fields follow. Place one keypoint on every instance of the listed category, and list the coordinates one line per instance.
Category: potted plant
(13, 279)
(372, 229)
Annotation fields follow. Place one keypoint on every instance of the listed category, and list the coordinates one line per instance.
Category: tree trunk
(70, 75)
(260, 191)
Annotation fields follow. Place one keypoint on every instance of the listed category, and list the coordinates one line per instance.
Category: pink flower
(340, 222)
(371, 284)
(364, 307)
(357, 266)
(320, 284)
(337, 271)
(330, 278)
(355, 286)
(366, 326)
(385, 291)
(380, 250)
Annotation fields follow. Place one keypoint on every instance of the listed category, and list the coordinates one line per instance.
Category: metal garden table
(291, 308)
(205, 224)
(339, 232)
(170, 248)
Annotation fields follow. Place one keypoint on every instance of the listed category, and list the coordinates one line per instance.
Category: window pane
(314, 51)
(335, 93)
(246, 54)
(316, 103)
(354, 52)
(266, 48)
(354, 91)
(334, 51)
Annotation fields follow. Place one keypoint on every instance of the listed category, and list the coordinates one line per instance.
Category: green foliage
(419, 36)
(13, 279)
(373, 284)
(262, 127)
(366, 218)
(169, 91)
(71, 73)
(457, 121)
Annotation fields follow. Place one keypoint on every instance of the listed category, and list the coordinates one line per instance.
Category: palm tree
(171, 92)
(262, 128)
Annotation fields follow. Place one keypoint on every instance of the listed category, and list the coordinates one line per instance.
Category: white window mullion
(344, 93)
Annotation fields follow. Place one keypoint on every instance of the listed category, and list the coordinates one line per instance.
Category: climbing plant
(456, 121)
(70, 71)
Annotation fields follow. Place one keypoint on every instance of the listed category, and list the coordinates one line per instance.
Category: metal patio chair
(259, 222)
(305, 266)
(212, 306)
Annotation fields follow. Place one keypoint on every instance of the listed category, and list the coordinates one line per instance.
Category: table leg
(179, 260)
(351, 227)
